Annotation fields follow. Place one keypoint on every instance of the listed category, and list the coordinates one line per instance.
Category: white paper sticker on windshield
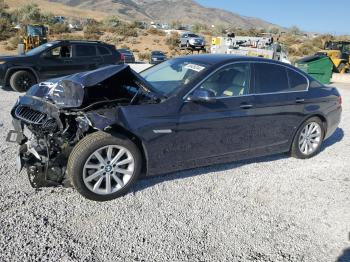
(194, 67)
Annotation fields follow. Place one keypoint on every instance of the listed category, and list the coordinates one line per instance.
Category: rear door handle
(300, 100)
(246, 106)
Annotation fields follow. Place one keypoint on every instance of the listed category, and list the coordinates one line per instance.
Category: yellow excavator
(338, 52)
(33, 36)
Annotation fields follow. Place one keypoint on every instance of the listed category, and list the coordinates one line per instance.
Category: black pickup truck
(55, 59)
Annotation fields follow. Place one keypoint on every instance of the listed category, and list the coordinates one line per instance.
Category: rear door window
(103, 50)
(270, 78)
(297, 82)
(85, 50)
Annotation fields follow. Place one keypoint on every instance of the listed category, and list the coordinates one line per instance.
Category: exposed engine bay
(53, 116)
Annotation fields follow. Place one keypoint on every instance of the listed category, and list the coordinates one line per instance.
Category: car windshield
(124, 51)
(39, 49)
(35, 30)
(170, 76)
(192, 35)
(157, 53)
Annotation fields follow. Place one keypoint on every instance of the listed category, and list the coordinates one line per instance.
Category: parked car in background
(104, 128)
(127, 55)
(157, 57)
(55, 59)
(190, 40)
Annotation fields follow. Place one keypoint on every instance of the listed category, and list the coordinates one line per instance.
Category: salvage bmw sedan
(103, 129)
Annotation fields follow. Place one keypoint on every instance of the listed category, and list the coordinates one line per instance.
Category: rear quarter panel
(324, 101)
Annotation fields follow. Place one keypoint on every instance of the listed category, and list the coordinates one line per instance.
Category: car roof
(214, 59)
(78, 42)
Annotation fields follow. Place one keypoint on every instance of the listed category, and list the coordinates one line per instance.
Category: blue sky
(308, 15)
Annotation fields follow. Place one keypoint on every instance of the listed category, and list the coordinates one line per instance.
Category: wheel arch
(318, 115)
(13, 70)
(117, 129)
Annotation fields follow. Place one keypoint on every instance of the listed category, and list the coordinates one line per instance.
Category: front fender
(13, 69)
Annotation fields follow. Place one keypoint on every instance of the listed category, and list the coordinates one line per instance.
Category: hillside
(58, 9)
(187, 11)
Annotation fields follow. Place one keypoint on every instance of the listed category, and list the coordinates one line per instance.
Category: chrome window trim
(253, 94)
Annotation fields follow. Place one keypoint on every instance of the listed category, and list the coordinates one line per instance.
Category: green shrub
(68, 36)
(13, 42)
(111, 21)
(5, 28)
(127, 30)
(144, 56)
(125, 46)
(28, 13)
(173, 40)
(92, 32)
(59, 28)
(155, 31)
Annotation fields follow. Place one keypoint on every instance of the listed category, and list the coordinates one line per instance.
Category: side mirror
(202, 95)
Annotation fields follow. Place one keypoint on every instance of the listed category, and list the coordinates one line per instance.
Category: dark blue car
(104, 128)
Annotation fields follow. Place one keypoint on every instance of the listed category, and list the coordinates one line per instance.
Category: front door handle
(300, 100)
(68, 61)
(246, 106)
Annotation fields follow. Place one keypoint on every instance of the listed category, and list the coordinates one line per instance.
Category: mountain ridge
(187, 11)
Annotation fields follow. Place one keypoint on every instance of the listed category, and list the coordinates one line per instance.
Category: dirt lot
(268, 209)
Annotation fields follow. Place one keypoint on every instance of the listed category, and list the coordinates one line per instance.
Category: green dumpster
(319, 67)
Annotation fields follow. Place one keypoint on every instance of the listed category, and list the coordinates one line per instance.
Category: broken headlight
(66, 93)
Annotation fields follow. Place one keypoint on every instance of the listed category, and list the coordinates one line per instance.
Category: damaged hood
(91, 78)
(68, 91)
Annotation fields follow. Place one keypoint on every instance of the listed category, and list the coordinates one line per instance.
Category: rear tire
(101, 178)
(309, 138)
(21, 81)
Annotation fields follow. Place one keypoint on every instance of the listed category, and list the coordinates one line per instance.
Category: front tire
(21, 81)
(309, 138)
(103, 167)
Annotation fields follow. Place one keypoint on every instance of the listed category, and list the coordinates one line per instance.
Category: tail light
(122, 57)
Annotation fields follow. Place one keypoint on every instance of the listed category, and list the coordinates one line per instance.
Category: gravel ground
(268, 209)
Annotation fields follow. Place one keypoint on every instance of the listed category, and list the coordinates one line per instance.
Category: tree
(294, 30)
(220, 30)
(111, 21)
(274, 30)
(176, 24)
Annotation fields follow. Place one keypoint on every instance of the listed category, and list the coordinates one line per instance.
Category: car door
(85, 57)
(280, 96)
(222, 127)
(56, 62)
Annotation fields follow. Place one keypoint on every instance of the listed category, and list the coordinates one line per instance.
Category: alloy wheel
(24, 82)
(108, 169)
(310, 138)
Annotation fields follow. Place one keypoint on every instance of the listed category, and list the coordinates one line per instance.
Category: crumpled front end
(46, 137)
(53, 116)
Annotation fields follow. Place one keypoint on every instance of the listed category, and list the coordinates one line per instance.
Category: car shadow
(146, 182)
(345, 257)
(336, 137)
